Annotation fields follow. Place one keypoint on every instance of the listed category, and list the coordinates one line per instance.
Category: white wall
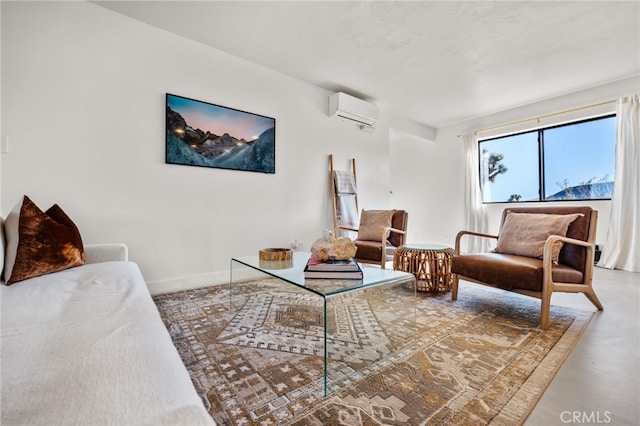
(83, 92)
(430, 181)
(427, 179)
(83, 107)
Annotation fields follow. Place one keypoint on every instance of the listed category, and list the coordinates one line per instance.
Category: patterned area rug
(479, 360)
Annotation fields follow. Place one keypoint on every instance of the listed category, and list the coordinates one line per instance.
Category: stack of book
(332, 269)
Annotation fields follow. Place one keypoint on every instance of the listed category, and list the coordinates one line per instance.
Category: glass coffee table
(356, 326)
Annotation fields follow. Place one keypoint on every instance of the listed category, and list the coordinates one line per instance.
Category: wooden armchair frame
(548, 284)
(384, 243)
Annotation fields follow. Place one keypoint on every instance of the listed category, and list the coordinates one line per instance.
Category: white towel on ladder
(345, 182)
(346, 211)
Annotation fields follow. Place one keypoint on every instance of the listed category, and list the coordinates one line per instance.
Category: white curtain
(622, 246)
(475, 215)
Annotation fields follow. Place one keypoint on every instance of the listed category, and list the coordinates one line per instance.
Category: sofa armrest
(96, 253)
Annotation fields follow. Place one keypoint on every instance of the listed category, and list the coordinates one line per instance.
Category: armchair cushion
(369, 250)
(374, 224)
(524, 234)
(40, 242)
(507, 271)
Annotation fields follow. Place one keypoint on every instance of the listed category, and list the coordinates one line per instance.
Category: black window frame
(541, 172)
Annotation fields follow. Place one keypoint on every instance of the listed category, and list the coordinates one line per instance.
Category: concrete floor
(599, 383)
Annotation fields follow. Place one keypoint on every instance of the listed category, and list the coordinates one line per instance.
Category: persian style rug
(479, 360)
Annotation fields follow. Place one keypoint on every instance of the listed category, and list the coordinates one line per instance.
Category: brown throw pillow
(40, 242)
(373, 224)
(524, 234)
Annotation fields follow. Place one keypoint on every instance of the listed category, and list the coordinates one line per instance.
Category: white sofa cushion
(87, 346)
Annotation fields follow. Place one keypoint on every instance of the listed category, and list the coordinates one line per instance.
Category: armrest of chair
(397, 231)
(549, 286)
(547, 260)
(387, 233)
(471, 233)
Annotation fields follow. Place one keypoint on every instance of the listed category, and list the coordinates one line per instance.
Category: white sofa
(86, 346)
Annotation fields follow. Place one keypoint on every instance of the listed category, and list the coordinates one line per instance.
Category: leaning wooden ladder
(344, 196)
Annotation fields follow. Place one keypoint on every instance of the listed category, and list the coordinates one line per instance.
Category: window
(573, 161)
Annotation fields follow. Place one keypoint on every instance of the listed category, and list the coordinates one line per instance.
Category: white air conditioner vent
(363, 113)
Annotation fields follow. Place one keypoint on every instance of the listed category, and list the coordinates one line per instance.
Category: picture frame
(204, 134)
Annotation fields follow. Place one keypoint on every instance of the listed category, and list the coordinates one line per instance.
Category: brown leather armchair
(536, 277)
(379, 251)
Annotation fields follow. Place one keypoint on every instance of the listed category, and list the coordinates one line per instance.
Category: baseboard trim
(173, 285)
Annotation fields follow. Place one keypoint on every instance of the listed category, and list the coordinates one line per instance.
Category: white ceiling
(436, 63)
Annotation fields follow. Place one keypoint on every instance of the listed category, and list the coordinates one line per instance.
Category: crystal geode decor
(330, 247)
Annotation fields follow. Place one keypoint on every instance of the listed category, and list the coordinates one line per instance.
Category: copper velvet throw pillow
(524, 234)
(373, 224)
(40, 242)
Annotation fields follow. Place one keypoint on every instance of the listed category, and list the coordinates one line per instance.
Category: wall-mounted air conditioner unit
(362, 113)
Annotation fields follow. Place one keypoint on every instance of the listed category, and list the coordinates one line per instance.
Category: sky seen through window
(575, 154)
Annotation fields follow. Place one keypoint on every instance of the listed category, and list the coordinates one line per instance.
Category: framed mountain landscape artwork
(208, 135)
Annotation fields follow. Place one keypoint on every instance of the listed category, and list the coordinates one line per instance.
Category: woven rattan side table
(429, 263)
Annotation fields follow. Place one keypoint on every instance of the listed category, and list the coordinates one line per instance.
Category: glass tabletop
(372, 275)
(425, 246)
